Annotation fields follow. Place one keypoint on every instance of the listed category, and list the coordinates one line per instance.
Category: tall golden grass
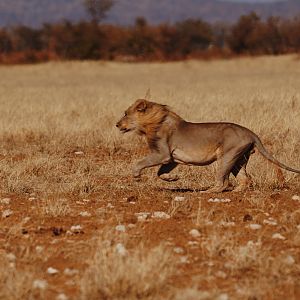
(50, 111)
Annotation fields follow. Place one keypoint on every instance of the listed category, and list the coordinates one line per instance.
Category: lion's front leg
(153, 159)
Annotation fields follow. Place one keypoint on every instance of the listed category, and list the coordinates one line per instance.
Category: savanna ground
(64, 164)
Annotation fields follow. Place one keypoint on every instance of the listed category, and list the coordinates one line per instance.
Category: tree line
(193, 38)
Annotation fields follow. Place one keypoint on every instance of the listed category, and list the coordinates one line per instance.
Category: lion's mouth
(124, 130)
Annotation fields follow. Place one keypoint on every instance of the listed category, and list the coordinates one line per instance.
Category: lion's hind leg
(165, 169)
(240, 172)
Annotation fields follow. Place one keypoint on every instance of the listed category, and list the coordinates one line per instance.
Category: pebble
(142, 216)
(254, 226)
(289, 260)
(270, 221)
(52, 271)
(61, 297)
(6, 213)
(5, 201)
(227, 224)
(31, 198)
(11, 257)
(121, 228)
(120, 248)
(278, 236)
(40, 284)
(195, 233)
(217, 200)
(70, 272)
(109, 205)
(178, 250)
(296, 198)
(79, 153)
(85, 214)
(39, 249)
(221, 274)
(160, 215)
(179, 198)
(76, 229)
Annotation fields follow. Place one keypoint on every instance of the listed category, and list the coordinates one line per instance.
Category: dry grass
(51, 111)
(140, 273)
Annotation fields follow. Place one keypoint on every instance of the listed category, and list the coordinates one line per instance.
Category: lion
(173, 141)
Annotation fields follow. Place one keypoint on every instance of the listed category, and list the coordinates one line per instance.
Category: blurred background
(144, 30)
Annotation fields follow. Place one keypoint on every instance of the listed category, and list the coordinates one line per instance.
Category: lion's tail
(260, 147)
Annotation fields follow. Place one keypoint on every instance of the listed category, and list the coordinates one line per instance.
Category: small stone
(227, 200)
(179, 198)
(296, 198)
(121, 228)
(227, 224)
(6, 213)
(52, 271)
(62, 297)
(215, 200)
(120, 248)
(160, 215)
(11, 257)
(278, 236)
(131, 226)
(76, 229)
(39, 249)
(254, 226)
(26, 219)
(222, 297)
(86, 200)
(85, 214)
(270, 221)
(71, 272)
(289, 260)
(221, 274)
(109, 205)
(142, 216)
(195, 233)
(79, 153)
(178, 250)
(5, 201)
(184, 259)
(31, 198)
(40, 284)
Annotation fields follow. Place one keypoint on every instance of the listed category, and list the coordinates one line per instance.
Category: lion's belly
(199, 157)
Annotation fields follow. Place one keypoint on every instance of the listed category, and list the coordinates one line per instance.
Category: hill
(36, 12)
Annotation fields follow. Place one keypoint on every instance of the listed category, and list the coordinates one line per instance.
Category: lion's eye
(125, 114)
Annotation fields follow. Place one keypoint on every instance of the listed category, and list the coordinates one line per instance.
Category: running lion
(174, 141)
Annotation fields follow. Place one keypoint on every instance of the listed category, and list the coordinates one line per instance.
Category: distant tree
(97, 9)
(5, 42)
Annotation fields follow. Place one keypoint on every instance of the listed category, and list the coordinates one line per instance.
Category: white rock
(62, 297)
(40, 284)
(289, 260)
(142, 216)
(184, 259)
(121, 228)
(5, 201)
(179, 198)
(52, 271)
(254, 226)
(270, 221)
(85, 214)
(296, 198)
(278, 236)
(76, 228)
(86, 200)
(109, 205)
(31, 198)
(215, 200)
(178, 250)
(6, 213)
(160, 215)
(11, 257)
(70, 272)
(79, 153)
(39, 249)
(222, 297)
(227, 224)
(227, 200)
(26, 219)
(120, 248)
(131, 226)
(221, 274)
(195, 233)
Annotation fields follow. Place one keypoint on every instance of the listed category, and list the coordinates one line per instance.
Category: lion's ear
(142, 106)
